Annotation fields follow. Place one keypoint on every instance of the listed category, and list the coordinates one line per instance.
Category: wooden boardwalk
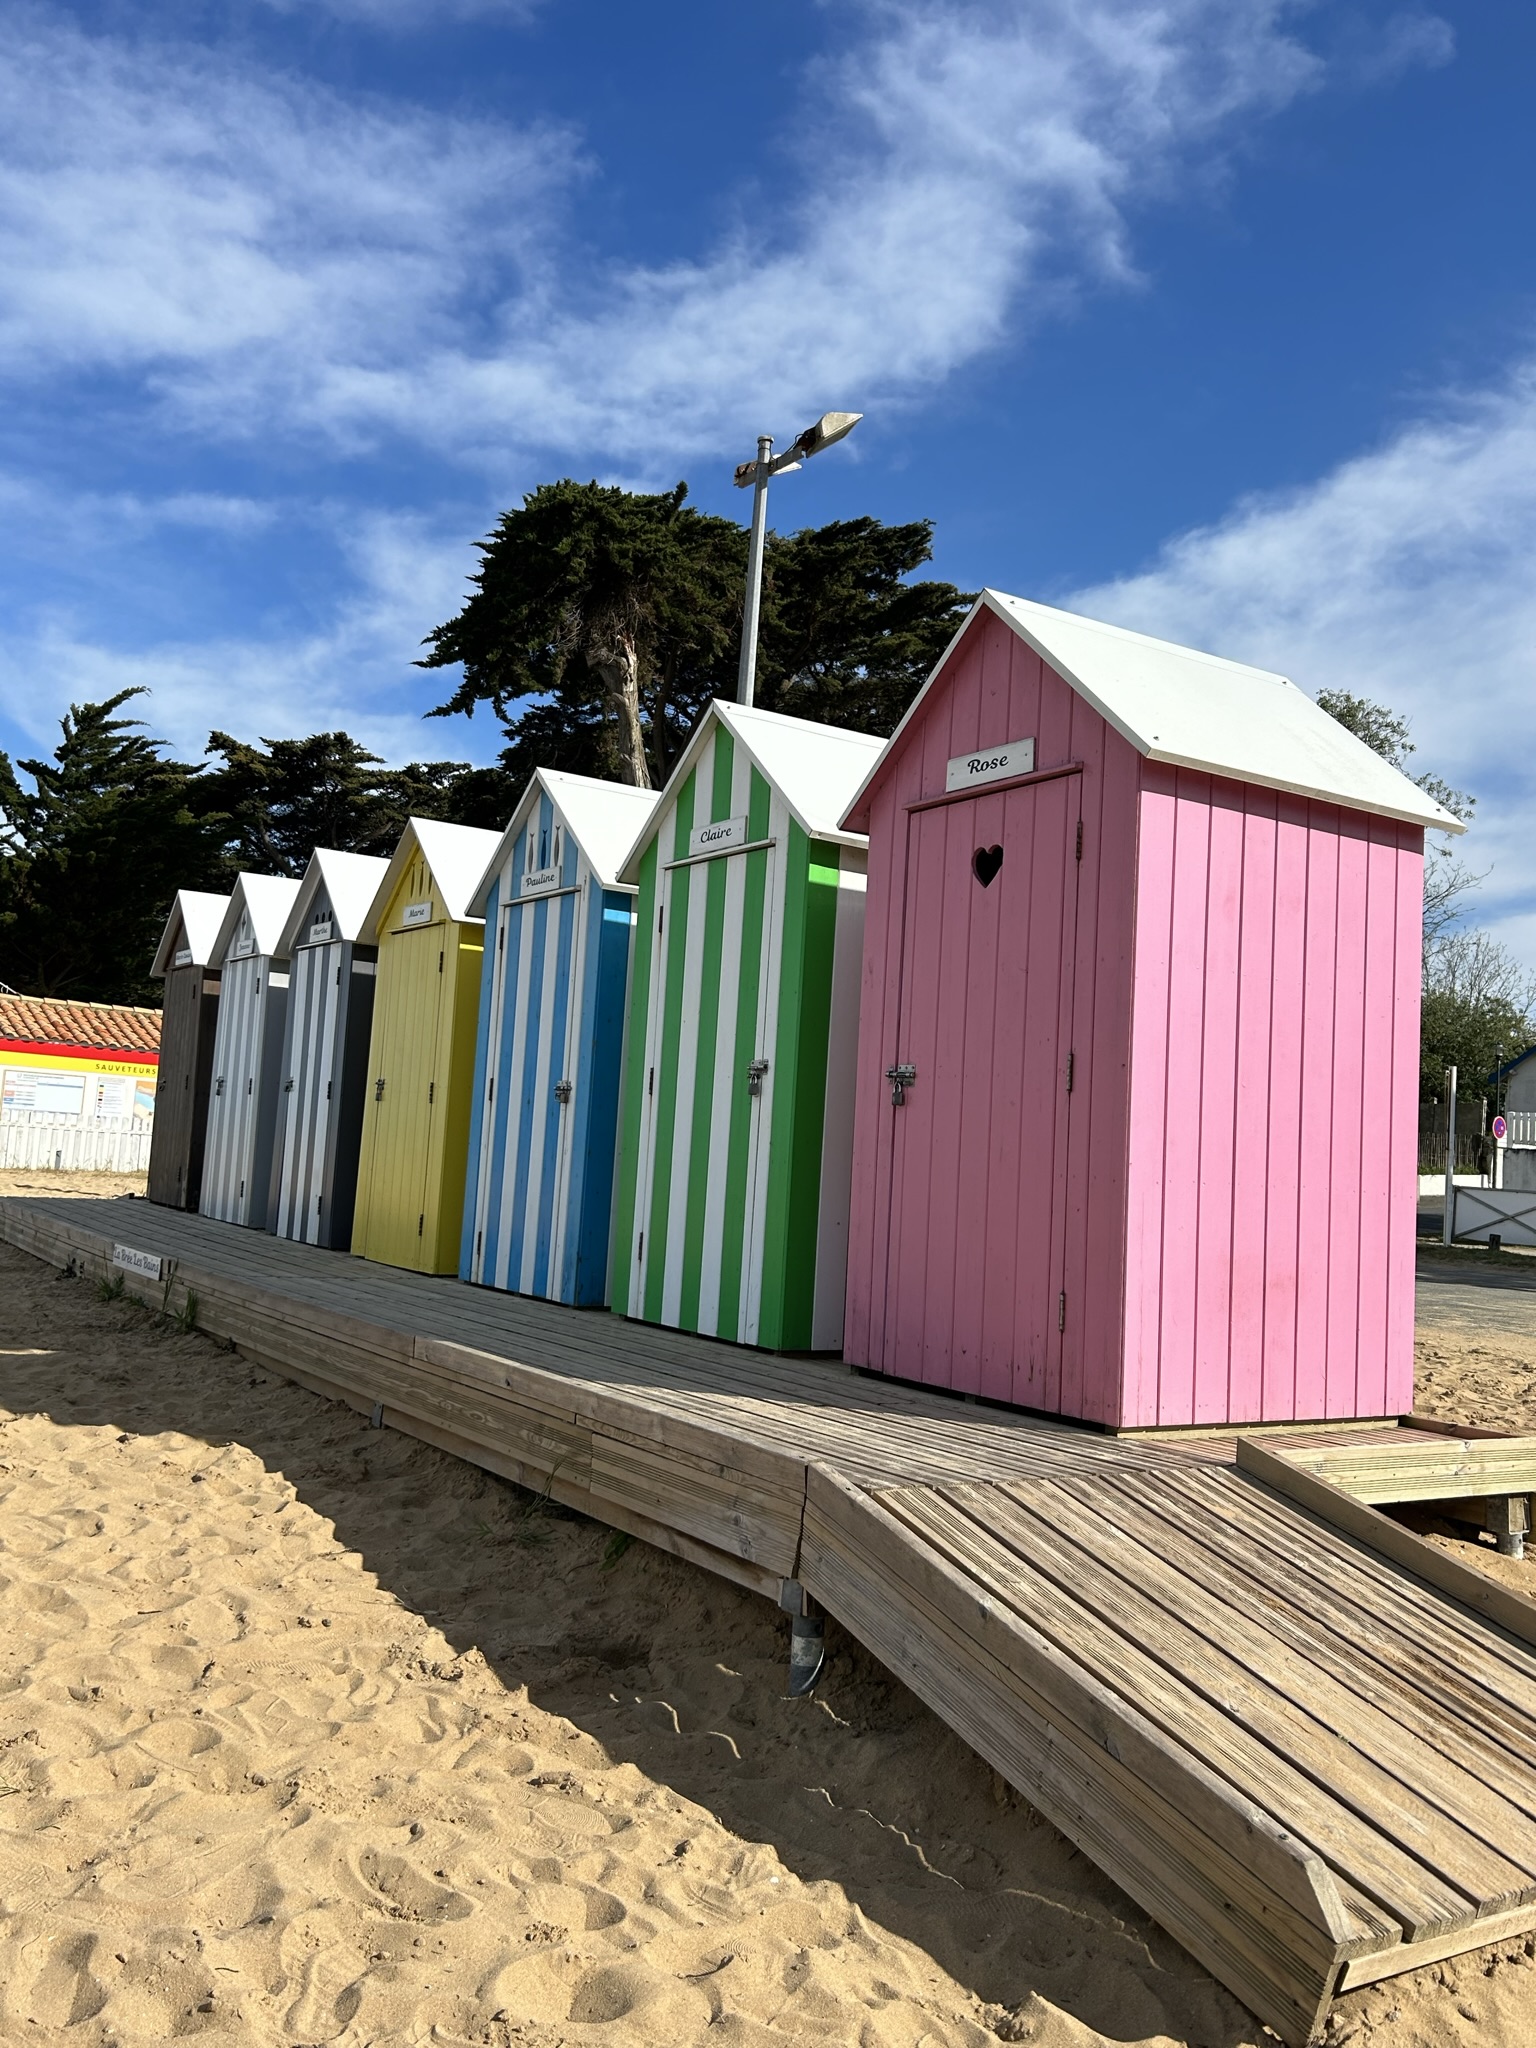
(1301, 1740)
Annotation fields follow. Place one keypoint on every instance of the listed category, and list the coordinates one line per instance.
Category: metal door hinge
(1079, 838)
(1071, 1065)
(431, 1091)
(327, 1091)
(650, 1082)
(440, 959)
(250, 1083)
(1061, 1310)
(661, 919)
(421, 1224)
(755, 1072)
(562, 1091)
(479, 1242)
(640, 1248)
(901, 1079)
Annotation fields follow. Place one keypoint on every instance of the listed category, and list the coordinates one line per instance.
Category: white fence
(108, 1144)
(1522, 1126)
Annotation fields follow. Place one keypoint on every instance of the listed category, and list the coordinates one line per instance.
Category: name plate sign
(715, 838)
(991, 764)
(538, 881)
(417, 913)
(320, 932)
(242, 949)
(148, 1265)
(183, 958)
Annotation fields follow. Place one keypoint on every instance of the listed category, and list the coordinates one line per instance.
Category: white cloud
(351, 670)
(271, 256)
(1405, 42)
(175, 215)
(1408, 575)
(409, 14)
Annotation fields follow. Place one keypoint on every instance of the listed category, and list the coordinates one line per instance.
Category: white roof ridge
(456, 854)
(350, 879)
(601, 815)
(1189, 709)
(814, 791)
(198, 914)
(267, 899)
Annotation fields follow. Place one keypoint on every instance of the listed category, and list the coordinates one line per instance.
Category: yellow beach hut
(421, 1063)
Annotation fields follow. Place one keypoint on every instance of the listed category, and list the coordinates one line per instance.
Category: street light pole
(746, 673)
(832, 426)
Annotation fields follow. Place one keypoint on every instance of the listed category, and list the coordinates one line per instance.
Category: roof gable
(456, 856)
(1195, 710)
(193, 927)
(815, 770)
(267, 900)
(348, 881)
(602, 817)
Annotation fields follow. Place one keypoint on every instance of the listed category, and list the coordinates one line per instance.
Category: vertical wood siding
(1222, 1206)
(242, 1107)
(1274, 1093)
(415, 1145)
(732, 1207)
(325, 1062)
(994, 1191)
(552, 1011)
(180, 1126)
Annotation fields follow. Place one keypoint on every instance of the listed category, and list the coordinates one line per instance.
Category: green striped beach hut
(731, 1211)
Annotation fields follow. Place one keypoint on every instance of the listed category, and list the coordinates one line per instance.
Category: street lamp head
(832, 426)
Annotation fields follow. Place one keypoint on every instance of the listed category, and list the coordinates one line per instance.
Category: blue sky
(1216, 317)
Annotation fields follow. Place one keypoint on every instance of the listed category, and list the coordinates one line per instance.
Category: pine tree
(603, 621)
(92, 856)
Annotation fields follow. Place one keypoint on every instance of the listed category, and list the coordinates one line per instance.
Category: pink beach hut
(1136, 1113)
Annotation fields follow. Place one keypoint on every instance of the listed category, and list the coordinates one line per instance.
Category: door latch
(901, 1079)
(755, 1073)
(562, 1091)
(378, 1090)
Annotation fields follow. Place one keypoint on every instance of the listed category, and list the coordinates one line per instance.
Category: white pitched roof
(815, 769)
(268, 898)
(351, 882)
(457, 856)
(1198, 711)
(195, 917)
(602, 817)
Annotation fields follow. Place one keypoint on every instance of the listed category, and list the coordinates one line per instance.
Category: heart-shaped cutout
(985, 862)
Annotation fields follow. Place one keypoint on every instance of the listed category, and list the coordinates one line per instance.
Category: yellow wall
(410, 1193)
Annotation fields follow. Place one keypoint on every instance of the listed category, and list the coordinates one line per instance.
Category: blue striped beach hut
(325, 1049)
(558, 927)
(247, 1051)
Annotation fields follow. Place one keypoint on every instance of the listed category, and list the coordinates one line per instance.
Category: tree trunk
(618, 668)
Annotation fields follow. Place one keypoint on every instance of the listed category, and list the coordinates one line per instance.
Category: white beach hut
(247, 1050)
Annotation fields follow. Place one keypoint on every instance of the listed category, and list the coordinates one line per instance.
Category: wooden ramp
(1295, 1735)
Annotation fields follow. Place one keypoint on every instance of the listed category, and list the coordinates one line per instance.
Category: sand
(312, 1734)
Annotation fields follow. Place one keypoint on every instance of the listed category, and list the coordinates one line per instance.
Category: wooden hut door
(404, 1060)
(975, 1251)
